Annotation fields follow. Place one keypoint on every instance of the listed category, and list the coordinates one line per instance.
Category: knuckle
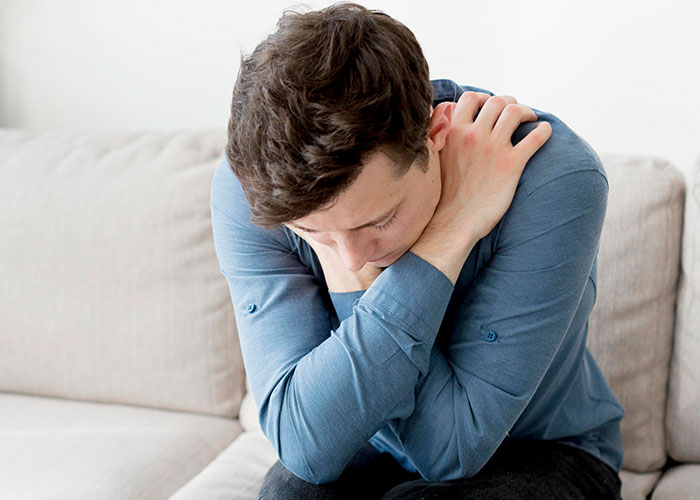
(471, 135)
(499, 100)
(517, 111)
(513, 110)
(472, 95)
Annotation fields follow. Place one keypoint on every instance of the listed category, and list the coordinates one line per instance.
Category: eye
(386, 224)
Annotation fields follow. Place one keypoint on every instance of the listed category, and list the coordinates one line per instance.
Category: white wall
(622, 74)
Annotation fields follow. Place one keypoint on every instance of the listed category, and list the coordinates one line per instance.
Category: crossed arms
(328, 371)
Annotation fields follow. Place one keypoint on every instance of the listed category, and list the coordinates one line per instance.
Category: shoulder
(227, 194)
(564, 153)
(561, 182)
(229, 203)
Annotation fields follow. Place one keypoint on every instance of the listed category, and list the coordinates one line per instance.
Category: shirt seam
(530, 193)
(567, 174)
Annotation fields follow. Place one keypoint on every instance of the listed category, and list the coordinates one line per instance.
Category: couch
(121, 375)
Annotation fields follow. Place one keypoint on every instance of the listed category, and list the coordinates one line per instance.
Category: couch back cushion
(631, 325)
(110, 287)
(683, 419)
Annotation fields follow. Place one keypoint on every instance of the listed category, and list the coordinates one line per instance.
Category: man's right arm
(321, 393)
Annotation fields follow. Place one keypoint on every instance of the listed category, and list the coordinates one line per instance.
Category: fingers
(500, 116)
(534, 140)
(492, 110)
(511, 117)
(467, 106)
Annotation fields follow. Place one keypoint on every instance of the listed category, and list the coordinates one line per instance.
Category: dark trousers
(519, 469)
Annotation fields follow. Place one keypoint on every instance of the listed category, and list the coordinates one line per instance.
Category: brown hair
(316, 99)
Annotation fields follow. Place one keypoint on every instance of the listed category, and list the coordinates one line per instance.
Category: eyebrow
(374, 222)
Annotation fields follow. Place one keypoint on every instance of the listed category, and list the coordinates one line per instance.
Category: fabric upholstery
(683, 420)
(237, 473)
(56, 448)
(248, 414)
(679, 483)
(110, 287)
(631, 325)
(637, 485)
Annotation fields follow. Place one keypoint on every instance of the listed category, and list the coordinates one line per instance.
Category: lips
(383, 257)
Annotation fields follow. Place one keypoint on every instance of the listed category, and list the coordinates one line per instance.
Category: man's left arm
(511, 325)
(505, 335)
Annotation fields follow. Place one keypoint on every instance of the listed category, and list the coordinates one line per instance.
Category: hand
(338, 278)
(480, 168)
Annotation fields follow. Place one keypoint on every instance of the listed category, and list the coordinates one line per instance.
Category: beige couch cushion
(59, 449)
(681, 482)
(110, 287)
(631, 325)
(248, 414)
(638, 485)
(683, 420)
(236, 474)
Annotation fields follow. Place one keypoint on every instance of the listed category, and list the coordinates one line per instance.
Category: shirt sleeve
(321, 393)
(505, 335)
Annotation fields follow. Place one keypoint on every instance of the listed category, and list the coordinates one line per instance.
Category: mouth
(391, 254)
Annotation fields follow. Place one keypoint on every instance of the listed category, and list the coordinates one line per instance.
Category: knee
(280, 484)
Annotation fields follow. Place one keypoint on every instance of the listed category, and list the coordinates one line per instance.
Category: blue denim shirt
(438, 375)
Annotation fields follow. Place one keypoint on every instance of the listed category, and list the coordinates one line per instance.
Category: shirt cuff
(414, 292)
(344, 302)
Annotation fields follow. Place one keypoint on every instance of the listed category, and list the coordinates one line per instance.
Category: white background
(624, 75)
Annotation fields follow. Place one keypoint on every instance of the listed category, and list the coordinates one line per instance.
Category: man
(412, 266)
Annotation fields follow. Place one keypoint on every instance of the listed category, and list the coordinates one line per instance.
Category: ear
(440, 121)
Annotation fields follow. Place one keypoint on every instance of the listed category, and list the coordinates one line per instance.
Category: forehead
(372, 197)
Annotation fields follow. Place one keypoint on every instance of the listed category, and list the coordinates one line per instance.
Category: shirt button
(491, 336)
(251, 308)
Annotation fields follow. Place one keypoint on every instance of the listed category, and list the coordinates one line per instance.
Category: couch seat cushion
(681, 481)
(637, 485)
(238, 472)
(58, 448)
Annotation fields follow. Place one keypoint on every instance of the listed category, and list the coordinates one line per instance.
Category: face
(398, 209)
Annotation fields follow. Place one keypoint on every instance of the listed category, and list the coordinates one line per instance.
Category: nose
(354, 251)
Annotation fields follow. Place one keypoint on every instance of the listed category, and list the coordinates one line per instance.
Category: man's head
(332, 97)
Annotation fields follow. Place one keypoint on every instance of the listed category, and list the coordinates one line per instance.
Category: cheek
(391, 241)
(401, 232)
(414, 225)
(416, 220)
